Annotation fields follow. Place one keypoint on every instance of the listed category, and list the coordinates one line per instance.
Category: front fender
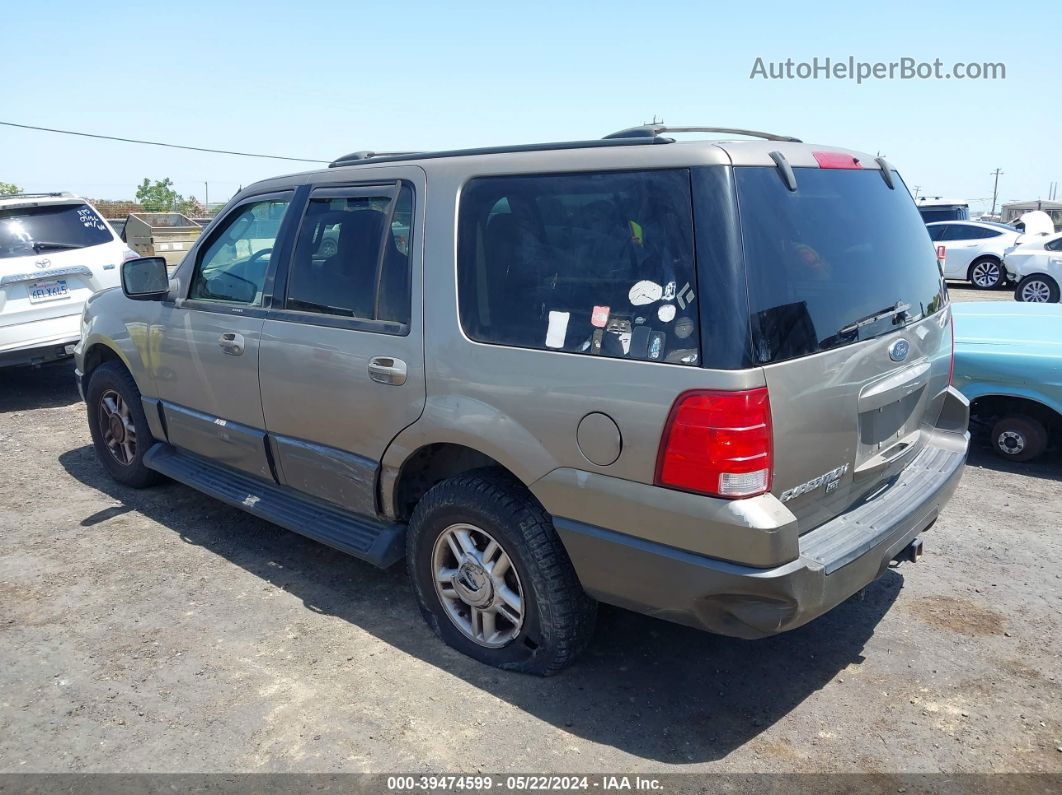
(128, 329)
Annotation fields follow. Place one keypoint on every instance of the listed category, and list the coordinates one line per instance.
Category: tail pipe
(910, 553)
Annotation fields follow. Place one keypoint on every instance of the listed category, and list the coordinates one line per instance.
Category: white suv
(55, 251)
(973, 250)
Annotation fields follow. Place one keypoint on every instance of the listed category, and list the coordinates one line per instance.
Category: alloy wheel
(117, 428)
(1036, 292)
(478, 585)
(986, 274)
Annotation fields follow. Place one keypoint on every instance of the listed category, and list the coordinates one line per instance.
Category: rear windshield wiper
(45, 244)
(898, 313)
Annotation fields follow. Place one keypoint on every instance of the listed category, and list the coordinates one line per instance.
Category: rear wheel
(1019, 437)
(1037, 289)
(493, 579)
(986, 273)
(118, 425)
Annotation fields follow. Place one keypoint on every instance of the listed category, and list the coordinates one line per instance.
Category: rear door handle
(387, 370)
(231, 343)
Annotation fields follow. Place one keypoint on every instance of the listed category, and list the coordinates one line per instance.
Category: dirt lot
(162, 631)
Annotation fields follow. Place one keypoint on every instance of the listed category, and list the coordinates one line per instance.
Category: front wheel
(986, 273)
(1019, 437)
(492, 577)
(118, 425)
(1037, 289)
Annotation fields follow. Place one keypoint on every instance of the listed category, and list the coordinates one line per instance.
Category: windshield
(28, 231)
(841, 259)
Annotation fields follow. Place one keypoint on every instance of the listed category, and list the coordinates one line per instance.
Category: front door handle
(231, 343)
(387, 370)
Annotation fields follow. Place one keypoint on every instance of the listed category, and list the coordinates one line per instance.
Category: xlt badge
(829, 478)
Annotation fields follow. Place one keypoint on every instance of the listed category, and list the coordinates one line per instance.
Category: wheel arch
(98, 353)
(454, 434)
(428, 465)
(996, 404)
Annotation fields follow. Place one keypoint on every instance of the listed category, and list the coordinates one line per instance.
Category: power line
(158, 143)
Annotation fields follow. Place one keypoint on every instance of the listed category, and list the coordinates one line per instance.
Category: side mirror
(145, 279)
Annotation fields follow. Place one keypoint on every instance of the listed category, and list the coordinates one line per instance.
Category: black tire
(1019, 437)
(1034, 280)
(989, 267)
(558, 617)
(105, 379)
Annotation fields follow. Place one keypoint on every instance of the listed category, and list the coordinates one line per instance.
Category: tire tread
(566, 613)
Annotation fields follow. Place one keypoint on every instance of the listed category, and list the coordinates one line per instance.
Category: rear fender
(472, 423)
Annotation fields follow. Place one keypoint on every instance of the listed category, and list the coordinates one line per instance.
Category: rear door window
(31, 231)
(825, 261)
(352, 256)
(600, 264)
(958, 232)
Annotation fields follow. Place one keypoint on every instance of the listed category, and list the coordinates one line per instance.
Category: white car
(1036, 265)
(973, 250)
(55, 251)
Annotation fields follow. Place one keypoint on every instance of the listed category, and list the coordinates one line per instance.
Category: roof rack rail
(654, 130)
(365, 154)
(53, 194)
(356, 158)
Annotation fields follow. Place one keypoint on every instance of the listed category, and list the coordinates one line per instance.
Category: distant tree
(158, 196)
(191, 207)
(9, 189)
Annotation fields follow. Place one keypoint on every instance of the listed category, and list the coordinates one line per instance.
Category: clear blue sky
(319, 79)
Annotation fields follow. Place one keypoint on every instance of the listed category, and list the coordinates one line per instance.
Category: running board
(379, 543)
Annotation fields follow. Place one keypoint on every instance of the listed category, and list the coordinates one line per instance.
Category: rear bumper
(39, 341)
(835, 560)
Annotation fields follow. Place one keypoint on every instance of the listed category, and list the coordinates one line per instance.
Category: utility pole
(918, 189)
(206, 195)
(995, 190)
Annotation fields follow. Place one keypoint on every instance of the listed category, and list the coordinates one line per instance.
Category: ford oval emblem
(898, 350)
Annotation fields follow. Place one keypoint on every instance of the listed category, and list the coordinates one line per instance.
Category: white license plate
(48, 291)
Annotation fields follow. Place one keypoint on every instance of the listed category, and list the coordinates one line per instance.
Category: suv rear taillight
(718, 443)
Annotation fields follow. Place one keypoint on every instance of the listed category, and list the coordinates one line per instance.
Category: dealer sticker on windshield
(48, 291)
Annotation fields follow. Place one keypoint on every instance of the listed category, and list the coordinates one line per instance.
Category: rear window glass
(823, 260)
(32, 231)
(931, 214)
(598, 264)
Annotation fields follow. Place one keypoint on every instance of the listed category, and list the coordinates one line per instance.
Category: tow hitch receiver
(910, 553)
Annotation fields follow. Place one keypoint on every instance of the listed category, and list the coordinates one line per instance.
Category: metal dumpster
(166, 235)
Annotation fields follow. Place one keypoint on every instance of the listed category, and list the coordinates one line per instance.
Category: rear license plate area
(882, 427)
(51, 290)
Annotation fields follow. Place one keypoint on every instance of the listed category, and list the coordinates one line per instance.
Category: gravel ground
(161, 631)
